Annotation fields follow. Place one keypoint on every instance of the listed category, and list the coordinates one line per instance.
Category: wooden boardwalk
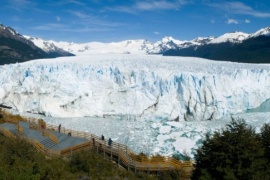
(66, 142)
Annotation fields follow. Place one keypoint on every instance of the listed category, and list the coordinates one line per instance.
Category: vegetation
(19, 160)
(236, 152)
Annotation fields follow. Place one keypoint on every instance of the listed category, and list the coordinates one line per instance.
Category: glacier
(151, 103)
(172, 88)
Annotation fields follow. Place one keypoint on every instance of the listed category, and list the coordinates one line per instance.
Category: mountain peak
(167, 39)
(233, 37)
(262, 32)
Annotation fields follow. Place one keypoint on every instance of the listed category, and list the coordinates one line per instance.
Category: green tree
(234, 153)
(265, 137)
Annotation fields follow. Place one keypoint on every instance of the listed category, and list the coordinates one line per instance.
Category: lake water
(264, 107)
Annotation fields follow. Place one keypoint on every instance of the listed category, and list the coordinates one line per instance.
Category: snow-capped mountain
(142, 46)
(233, 37)
(10, 33)
(123, 47)
(235, 47)
(261, 32)
(49, 47)
(15, 48)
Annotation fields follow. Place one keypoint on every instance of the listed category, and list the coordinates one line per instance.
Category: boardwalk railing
(119, 152)
(50, 135)
(124, 154)
(5, 132)
(19, 128)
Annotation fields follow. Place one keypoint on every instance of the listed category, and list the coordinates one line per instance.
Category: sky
(83, 21)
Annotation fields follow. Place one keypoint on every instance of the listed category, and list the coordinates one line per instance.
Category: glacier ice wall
(176, 88)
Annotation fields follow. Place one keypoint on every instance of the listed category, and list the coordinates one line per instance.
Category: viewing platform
(54, 141)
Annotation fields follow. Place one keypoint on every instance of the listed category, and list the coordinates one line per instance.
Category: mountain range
(233, 46)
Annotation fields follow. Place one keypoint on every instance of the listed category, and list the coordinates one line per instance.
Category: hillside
(16, 48)
(253, 49)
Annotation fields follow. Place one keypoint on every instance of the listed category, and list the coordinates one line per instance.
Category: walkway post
(128, 163)
(70, 154)
(103, 152)
(111, 153)
(118, 153)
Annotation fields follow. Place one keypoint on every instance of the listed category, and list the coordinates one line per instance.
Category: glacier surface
(151, 86)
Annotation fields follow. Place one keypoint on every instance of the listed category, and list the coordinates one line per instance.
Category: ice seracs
(173, 88)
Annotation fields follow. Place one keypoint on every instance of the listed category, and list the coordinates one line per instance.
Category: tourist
(59, 127)
(110, 142)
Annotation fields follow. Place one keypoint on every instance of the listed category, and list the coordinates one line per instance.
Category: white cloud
(247, 21)
(239, 8)
(156, 5)
(58, 19)
(156, 32)
(66, 28)
(21, 2)
(151, 5)
(51, 26)
(232, 21)
(90, 20)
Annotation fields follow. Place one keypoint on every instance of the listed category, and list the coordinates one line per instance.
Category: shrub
(234, 153)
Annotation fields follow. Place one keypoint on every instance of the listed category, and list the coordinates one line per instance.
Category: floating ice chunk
(164, 129)
(176, 124)
(183, 144)
(156, 125)
(161, 139)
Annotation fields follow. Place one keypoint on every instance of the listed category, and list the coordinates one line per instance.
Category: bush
(20, 160)
(234, 153)
(265, 138)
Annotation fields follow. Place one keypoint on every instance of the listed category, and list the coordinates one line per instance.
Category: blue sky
(116, 20)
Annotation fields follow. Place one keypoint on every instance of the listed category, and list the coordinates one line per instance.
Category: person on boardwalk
(110, 142)
(59, 127)
(102, 137)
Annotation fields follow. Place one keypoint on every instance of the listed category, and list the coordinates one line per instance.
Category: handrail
(43, 149)
(20, 129)
(6, 132)
(132, 158)
(72, 149)
(48, 134)
(124, 154)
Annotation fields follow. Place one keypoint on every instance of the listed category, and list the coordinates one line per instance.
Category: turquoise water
(264, 107)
